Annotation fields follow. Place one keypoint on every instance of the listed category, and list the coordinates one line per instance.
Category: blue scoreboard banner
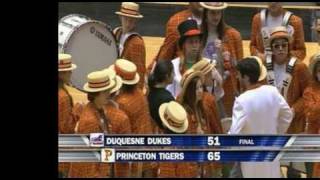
(98, 147)
(101, 140)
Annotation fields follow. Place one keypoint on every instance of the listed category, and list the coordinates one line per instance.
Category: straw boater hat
(279, 32)
(188, 28)
(65, 63)
(263, 69)
(186, 79)
(174, 117)
(115, 77)
(214, 5)
(313, 60)
(130, 9)
(99, 81)
(127, 71)
(204, 66)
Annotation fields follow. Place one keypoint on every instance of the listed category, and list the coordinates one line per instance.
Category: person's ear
(246, 79)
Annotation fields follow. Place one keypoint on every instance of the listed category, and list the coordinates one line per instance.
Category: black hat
(188, 28)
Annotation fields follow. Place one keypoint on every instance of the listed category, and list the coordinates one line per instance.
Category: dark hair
(128, 88)
(249, 67)
(161, 72)
(92, 95)
(222, 26)
(316, 65)
(189, 97)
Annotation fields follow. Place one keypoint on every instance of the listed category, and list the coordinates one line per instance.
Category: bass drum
(91, 44)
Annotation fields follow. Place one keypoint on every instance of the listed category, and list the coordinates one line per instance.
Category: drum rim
(68, 37)
(108, 27)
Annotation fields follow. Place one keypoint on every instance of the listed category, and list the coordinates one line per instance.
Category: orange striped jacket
(89, 123)
(298, 48)
(134, 50)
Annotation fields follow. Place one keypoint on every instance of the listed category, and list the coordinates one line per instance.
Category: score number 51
(213, 141)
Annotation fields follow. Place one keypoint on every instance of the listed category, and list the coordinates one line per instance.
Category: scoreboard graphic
(98, 147)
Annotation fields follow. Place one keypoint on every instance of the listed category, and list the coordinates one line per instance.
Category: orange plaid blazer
(233, 43)
(210, 113)
(89, 123)
(66, 119)
(135, 104)
(188, 169)
(300, 81)
(134, 50)
(316, 170)
(311, 97)
(183, 169)
(169, 49)
(136, 107)
(298, 48)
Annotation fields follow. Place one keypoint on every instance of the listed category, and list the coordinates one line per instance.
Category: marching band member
(169, 49)
(270, 18)
(130, 43)
(134, 103)
(208, 100)
(158, 94)
(174, 120)
(98, 116)
(259, 110)
(189, 43)
(311, 98)
(66, 116)
(290, 76)
(223, 44)
(191, 99)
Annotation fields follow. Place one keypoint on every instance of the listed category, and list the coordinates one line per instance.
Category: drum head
(93, 48)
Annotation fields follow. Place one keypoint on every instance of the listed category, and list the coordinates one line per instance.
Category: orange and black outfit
(89, 122)
(135, 105)
(134, 50)
(298, 48)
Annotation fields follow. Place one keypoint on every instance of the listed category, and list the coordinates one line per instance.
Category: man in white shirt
(259, 110)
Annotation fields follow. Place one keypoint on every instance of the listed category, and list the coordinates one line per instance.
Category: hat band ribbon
(129, 11)
(205, 67)
(64, 65)
(124, 75)
(99, 84)
(171, 122)
(192, 32)
(185, 78)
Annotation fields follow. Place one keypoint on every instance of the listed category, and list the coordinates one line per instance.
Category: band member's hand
(217, 77)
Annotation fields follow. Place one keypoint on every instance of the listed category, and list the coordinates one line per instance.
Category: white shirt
(174, 88)
(210, 49)
(261, 111)
(279, 75)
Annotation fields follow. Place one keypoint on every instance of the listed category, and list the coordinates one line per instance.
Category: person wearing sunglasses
(290, 76)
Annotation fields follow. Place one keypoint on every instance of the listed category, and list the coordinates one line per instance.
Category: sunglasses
(277, 46)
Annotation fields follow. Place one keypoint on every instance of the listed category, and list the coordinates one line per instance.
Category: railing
(248, 5)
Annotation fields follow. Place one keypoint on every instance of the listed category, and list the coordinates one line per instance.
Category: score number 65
(213, 156)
